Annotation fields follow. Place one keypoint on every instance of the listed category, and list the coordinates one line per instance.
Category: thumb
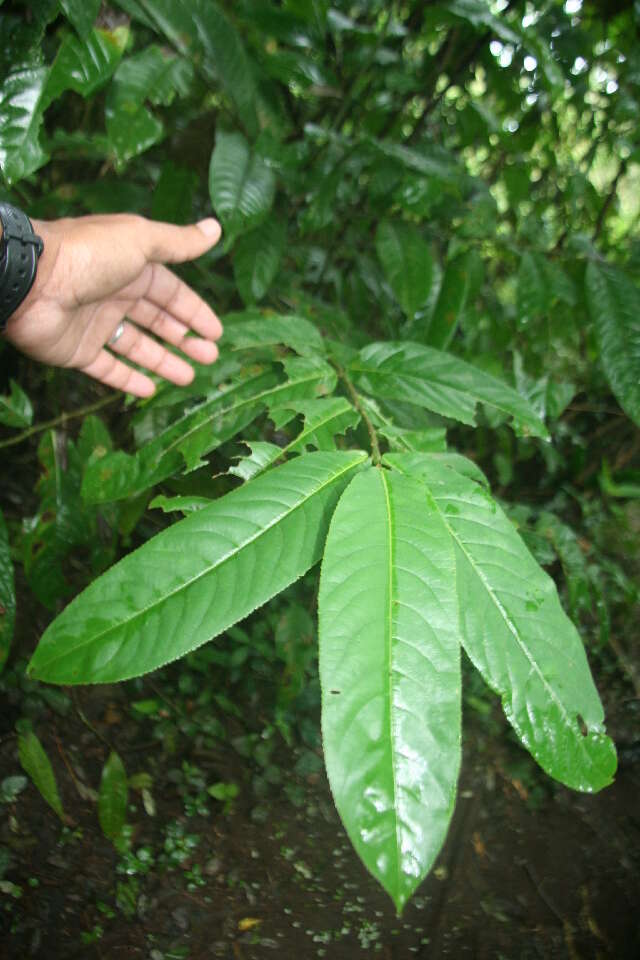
(168, 243)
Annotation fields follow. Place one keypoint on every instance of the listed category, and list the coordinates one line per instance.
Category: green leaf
(181, 504)
(112, 798)
(16, 409)
(20, 123)
(81, 13)
(152, 75)
(324, 419)
(516, 633)
(407, 264)
(452, 299)
(614, 304)
(262, 456)
(244, 331)
(85, 65)
(257, 258)
(202, 429)
(173, 195)
(241, 185)
(7, 595)
(35, 762)
(197, 578)
(440, 382)
(430, 440)
(203, 33)
(533, 292)
(182, 444)
(574, 564)
(390, 675)
(62, 522)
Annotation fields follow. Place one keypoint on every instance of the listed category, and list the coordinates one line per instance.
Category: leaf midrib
(503, 614)
(220, 562)
(238, 405)
(389, 644)
(412, 378)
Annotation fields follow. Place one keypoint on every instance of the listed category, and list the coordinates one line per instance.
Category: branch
(60, 420)
(353, 393)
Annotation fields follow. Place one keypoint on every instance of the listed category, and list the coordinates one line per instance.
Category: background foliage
(457, 175)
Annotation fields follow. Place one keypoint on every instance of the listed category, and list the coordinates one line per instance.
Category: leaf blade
(407, 263)
(440, 382)
(390, 676)
(517, 634)
(209, 570)
(35, 762)
(241, 185)
(614, 304)
(112, 797)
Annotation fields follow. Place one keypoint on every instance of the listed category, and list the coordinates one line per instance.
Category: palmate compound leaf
(197, 578)
(440, 382)
(390, 675)
(614, 304)
(516, 633)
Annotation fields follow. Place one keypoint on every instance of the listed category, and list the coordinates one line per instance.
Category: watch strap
(21, 248)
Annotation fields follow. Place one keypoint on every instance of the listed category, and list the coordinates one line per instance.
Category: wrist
(20, 249)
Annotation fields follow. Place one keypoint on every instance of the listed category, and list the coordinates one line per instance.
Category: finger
(168, 243)
(163, 290)
(114, 373)
(151, 355)
(164, 326)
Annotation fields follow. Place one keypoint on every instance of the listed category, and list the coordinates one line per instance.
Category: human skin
(98, 271)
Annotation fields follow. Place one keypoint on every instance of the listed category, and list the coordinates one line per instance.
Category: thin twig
(60, 420)
(353, 393)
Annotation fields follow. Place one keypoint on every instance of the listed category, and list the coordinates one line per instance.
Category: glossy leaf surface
(440, 382)
(614, 304)
(21, 152)
(516, 633)
(81, 13)
(390, 675)
(203, 33)
(153, 76)
(241, 185)
(85, 65)
(112, 797)
(407, 264)
(35, 762)
(197, 578)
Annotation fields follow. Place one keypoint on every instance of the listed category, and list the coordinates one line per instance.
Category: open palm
(98, 272)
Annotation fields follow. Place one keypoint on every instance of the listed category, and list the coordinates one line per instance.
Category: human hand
(97, 270)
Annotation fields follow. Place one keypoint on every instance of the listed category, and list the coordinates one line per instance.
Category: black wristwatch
(19, 251)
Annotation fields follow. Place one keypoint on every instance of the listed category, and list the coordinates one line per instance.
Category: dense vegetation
(429, 285)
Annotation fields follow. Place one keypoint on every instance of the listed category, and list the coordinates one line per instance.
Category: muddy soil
(529, 870)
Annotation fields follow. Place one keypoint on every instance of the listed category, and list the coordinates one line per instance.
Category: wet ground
(529, 870)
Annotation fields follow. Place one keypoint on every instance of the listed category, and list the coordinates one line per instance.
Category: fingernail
(210, 227)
